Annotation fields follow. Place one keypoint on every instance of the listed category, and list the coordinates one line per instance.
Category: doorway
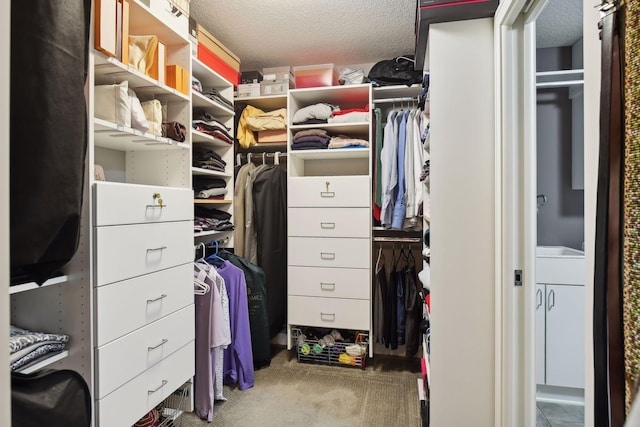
(559, 248)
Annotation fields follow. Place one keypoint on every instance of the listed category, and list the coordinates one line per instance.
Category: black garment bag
(48, 135)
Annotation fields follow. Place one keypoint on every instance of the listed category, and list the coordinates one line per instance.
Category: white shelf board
(356, 128)
(33, 285)
(43, 364)
(117, 137)
(207, 76)
(210, 233)
(328, 154)
(198, 137)
(212, 201)
(207, 172)
(398, 91)
(339, 95)
(266, 103)
(198, 100)
(109, 70)
(143, 21)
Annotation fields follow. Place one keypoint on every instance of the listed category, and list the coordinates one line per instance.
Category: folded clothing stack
(310, 139)
(27, 347)
(208, 159)
(353, 115)
(343, 141)
(206, 219)
(209, 188)
(206, 123)
(313, 114)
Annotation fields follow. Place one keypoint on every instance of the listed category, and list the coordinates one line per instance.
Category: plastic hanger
(249, 156)
(238, 159)
(264, 158)
(276, 158)
(214, 256)
(380, 258)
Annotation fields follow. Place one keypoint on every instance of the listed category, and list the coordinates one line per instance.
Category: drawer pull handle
(163, 342)
(327, 255)
(328, 225)
(156, 206)
(327, 194)
(328, 316)
(164, 383)
(327, 286)
(161, 248)
(149, 301)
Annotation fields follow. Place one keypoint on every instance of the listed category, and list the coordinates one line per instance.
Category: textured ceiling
(560, 23)
(344, 32)
(304, 32)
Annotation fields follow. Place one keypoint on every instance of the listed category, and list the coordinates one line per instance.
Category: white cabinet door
(540, 333)
(565, 336)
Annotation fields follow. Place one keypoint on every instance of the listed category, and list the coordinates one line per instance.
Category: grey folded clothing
(309, 145)
(309, 132)
(36, 355)
(205, 183)
(312, 138)
(21, 338)
(205, 194)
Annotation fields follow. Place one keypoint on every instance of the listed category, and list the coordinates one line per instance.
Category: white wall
(5, 19)
(591, 141)
(462, 228)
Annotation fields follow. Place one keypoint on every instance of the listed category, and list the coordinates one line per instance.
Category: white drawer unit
(129, 403)
(329, 222)
(329, 252)
(117, 204)
(130, 304)
(134, 353)
(329, 312)
(329, 191)
(148, 248)
(354, 283)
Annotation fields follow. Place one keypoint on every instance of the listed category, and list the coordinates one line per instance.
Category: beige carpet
(290, 393)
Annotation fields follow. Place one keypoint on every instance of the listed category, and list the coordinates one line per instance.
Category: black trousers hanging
(48, 136)
(607, 308)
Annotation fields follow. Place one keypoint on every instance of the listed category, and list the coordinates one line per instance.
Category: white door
(565, 336)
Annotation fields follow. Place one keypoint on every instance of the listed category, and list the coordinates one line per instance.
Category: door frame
(515, 217)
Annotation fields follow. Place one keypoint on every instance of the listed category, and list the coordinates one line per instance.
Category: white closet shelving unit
(225, 114)
(329, 221)
(142, 251)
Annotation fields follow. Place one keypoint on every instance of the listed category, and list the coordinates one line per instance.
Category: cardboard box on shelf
(272, 136)
(276, 87)
(251, 77)
(248, 90)
(214, 62)
(277, 73)
(217, 48)
(177, 78)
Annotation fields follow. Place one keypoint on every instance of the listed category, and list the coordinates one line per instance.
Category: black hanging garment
(270, 221)
(609, 391)
(258, 316)
(48, 137)
(413, 310)
(391, 327)
(380, 303)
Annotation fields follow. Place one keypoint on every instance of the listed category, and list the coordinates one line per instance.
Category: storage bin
(315, 75)
(276, 87)
(248, 90)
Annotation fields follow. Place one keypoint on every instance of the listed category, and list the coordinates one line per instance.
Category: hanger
(276, 158)
(200, 287)
(380, 258)
(264, 158)
(238, 159)
(249, 155)
(214, 256)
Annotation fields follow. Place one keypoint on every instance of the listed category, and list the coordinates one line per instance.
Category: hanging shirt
(377, 171)
(400, 207)
(389, 162)
(238, 357)
(418, 161)
(238, 208)
(409, 173)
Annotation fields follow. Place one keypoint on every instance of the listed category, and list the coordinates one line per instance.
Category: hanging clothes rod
(402, 99)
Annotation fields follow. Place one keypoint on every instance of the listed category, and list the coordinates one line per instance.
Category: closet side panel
(5, 18)
(462, 223)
